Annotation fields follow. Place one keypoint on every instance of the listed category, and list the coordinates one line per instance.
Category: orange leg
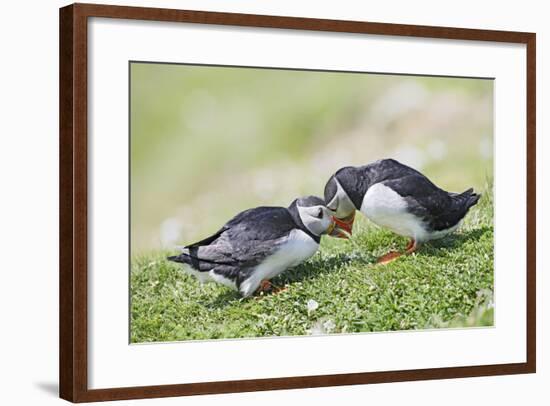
(266, 287)
(279, 289)
(411, 247)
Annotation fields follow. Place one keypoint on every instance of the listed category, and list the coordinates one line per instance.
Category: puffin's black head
(310, 212)
(337, 197)
(309, 201)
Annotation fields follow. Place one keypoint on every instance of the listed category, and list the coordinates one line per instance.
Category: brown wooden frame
(73, 310)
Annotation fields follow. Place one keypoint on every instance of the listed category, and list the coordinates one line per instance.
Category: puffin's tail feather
(191, 258)
(182, 259)
(467, 199)
(196, 265)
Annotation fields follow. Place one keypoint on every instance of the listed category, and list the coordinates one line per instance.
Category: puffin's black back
(438, 208)
(357, 180)
(260, 223)
(242, 243)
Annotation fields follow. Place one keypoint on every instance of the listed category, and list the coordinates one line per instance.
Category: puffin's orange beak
(343, 227)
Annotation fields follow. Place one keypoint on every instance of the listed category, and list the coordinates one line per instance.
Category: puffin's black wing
(207, 240)
(243, 242)
(438, 208)
(386, 169)
(256, 234)
(243, 216)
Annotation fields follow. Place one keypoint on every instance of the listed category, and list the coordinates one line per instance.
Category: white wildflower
(329, 326)
(317, 329)
(312, 305)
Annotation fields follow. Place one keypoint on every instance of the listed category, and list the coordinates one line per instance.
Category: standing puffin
(397, 197)
(260, 243)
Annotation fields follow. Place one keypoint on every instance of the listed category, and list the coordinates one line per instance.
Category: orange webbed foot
(389, 257)
(267, 287)
(411, 247)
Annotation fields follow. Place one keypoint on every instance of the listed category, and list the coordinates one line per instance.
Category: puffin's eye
(320, 214)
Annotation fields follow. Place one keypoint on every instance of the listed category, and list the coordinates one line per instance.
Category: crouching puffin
(397, 197)
(260, 243)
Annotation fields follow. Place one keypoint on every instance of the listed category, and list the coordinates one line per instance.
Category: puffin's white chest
(386, 208)
(295, 249)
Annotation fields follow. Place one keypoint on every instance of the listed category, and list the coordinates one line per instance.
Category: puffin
(260, 243)
(398, 197)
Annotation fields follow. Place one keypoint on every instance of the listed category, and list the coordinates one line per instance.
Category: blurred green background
(208, 142)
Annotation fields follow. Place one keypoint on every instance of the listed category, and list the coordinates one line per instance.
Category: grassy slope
(448, 283)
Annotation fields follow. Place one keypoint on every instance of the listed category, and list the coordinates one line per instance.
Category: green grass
(447, 283)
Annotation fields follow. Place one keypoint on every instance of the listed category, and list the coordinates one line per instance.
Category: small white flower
(312, 305)
(316, 330)
(329, 326)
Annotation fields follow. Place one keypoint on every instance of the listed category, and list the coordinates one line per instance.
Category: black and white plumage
(397, 197)
(258, 244)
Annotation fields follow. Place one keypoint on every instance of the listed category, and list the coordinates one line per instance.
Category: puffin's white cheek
(317, 227)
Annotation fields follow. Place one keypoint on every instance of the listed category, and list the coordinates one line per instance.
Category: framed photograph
(255, 202)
